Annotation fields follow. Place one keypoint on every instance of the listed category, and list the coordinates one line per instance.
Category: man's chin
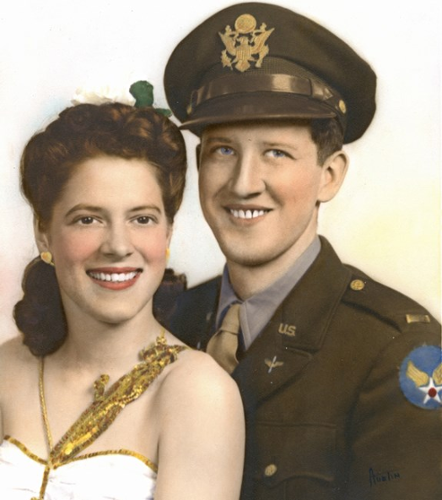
(247, 258)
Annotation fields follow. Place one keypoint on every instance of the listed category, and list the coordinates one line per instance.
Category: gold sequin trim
(122, 451)
(25, 450)
(104, 409)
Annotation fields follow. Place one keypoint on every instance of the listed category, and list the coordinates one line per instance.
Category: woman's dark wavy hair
(49, 159)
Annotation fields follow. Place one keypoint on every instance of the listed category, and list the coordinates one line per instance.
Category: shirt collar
(258, 309)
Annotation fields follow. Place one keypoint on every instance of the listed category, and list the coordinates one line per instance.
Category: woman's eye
(144, 219)
(85, 221)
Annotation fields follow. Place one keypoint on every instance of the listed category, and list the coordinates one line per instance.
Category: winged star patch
(420, 377)
(245, 45)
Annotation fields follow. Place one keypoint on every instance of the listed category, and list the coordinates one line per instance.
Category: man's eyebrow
(217, 138)
(279, 144)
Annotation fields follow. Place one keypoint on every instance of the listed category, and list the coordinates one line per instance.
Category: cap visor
(244, 107)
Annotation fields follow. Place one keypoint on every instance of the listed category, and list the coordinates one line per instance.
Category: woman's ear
(333, 174)
(169, 234)
(41, 236)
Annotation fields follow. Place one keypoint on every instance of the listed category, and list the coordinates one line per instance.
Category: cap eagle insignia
(245, 44)
(431, 386)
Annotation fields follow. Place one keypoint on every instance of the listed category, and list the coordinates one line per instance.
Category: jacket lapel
(296, 331)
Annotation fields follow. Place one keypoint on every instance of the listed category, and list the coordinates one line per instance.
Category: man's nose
(247, 180)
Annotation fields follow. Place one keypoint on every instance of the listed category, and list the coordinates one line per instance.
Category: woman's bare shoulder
(193, 365)
(197, 379)
(14, 354)
(201, 430)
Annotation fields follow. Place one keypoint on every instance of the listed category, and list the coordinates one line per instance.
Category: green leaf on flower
(143, 93)
(164, 111)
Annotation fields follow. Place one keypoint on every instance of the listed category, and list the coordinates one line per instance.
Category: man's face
(260, 188)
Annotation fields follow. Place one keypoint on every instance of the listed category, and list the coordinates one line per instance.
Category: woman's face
(108, 236)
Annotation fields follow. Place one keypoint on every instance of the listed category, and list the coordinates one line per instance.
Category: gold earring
(46, 257)
(167, 253)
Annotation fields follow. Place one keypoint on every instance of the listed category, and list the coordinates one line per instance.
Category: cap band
(229, 85)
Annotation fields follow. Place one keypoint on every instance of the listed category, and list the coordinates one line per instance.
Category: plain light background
(385, 220)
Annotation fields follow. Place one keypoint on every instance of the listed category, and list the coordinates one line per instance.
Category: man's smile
(248, 213)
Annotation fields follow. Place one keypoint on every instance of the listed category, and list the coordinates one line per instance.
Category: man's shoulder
(200, 298)
(194, 311)
(387, 304)
(366, 297)
(209, 288)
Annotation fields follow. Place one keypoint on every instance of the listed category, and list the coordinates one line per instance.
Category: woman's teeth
(114, 277)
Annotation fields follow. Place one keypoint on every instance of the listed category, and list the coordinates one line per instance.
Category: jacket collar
(297, 329)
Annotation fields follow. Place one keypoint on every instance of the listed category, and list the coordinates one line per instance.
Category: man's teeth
(247, 214)
(114, 277)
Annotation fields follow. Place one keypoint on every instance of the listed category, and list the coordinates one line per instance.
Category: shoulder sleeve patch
(420, 377)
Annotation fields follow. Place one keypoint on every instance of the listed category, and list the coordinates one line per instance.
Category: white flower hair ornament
(102, 95)
(140, 94)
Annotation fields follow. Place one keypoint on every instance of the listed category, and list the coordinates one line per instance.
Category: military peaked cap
(260, 61)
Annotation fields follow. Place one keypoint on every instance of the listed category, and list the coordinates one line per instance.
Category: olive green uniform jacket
(326, 417)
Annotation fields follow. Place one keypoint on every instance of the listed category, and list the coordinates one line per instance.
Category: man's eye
(225, 151)
(276, 153)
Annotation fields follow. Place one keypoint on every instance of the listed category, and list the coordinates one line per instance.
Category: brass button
(342, 106)
(270, 470)
(357, 285)
(417, 318)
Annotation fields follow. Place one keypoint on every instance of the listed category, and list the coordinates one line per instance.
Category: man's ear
(333, 174)
(41, 237)
(198, 155)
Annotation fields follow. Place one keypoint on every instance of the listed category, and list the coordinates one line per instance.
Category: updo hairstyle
(49, 159)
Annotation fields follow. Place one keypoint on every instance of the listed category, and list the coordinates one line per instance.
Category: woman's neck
(92, 345)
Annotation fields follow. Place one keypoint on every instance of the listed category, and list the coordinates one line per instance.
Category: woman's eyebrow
(83, 206)
(93, 208)
(146, 207)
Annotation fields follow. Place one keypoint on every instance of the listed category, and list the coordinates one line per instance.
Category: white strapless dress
(118, 475)
(103, 476)
(72, 474)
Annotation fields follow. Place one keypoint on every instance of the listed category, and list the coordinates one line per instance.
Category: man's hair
(328, 136)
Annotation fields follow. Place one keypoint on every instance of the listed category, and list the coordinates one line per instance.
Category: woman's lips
(115, 278)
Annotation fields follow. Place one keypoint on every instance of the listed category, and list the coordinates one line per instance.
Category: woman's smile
(115, 278)
(108, 237)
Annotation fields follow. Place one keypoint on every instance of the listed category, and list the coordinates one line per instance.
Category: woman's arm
(4, 355)
(201, 445)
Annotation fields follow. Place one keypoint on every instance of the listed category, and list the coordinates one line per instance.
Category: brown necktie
(224, 344)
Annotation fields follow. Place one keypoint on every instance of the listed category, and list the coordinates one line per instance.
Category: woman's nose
(117, 241)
